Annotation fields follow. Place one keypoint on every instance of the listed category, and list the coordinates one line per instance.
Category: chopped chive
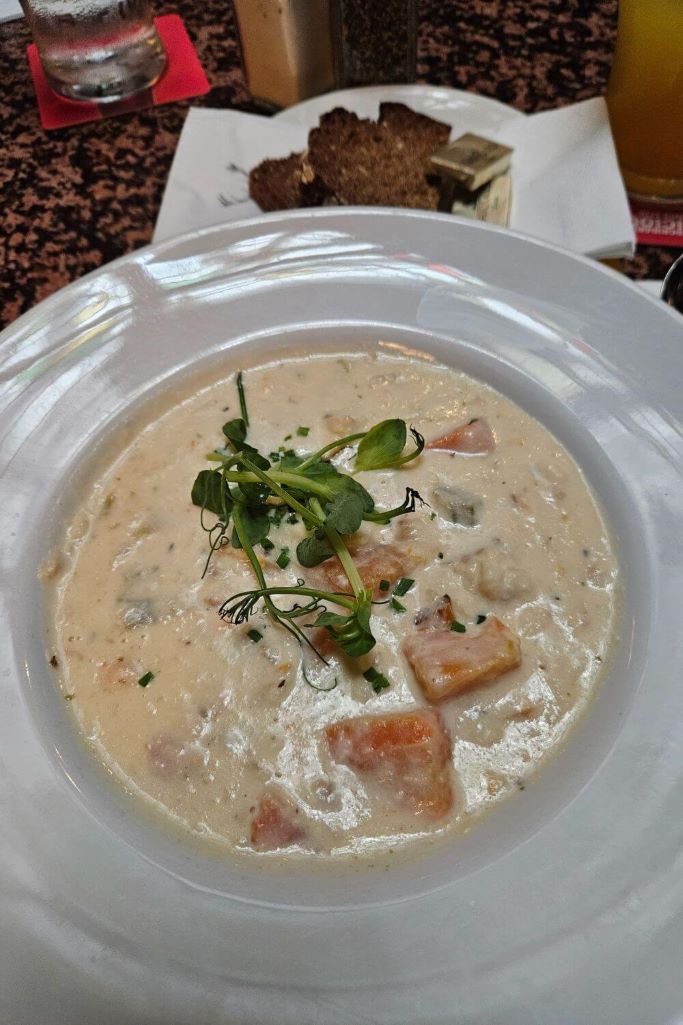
(254, 635)
(403, 586)
(432, 516)
(273, 456)
(378, 681)
(292, 518)
(147, 678)
(288, 437)
(458, 628)
(396, 605)
(267, 544)
(384, 585)
(283, 559)
(302, 432)
(243, 401)
(481, 619)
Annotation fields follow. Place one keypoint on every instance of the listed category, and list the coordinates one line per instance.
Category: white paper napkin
(566, 183)
(567, 187)
(207, 183)
(9, 10)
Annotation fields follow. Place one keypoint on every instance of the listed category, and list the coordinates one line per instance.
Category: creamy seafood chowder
(333, 605)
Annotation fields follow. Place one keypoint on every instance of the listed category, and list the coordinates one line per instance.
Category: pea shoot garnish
(250, 495)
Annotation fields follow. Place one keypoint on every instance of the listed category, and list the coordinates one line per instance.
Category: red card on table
(183, 77)
(657, 226)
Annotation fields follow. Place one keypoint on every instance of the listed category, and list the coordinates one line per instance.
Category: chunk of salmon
(472, 438)
(274, 825)
(374, 564)
(407, 753)
(437, 616)
(322, 641)
(446, 663)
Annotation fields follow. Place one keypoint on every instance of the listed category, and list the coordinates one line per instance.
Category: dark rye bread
(285, 184)
(356, 162)
(422, 134)
(371, 163)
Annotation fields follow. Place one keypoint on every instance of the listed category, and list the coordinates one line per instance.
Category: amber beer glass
(102, 50)
(645, 98)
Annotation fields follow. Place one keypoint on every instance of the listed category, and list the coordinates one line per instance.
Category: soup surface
(494, 605)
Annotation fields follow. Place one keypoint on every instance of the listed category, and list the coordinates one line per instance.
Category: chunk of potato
(173, 756)
(119, 672)
(495, 575)
(457, 504)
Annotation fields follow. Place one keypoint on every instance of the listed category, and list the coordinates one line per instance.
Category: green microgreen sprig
(252, 493)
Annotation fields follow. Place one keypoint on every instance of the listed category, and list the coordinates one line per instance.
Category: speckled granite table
(74, 199)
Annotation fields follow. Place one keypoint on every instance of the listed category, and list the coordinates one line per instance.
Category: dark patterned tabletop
(76, 198)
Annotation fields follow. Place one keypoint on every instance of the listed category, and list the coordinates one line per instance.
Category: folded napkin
(567, 187)
(566, 183)
(9, 10)
(207, 183)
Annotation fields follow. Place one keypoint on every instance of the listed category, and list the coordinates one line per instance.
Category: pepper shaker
(374, 42)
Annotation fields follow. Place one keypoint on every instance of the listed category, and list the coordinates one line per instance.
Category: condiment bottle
(375, 41)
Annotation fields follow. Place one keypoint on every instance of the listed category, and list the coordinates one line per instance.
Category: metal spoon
(672, 289)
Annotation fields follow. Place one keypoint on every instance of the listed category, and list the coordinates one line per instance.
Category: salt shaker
(286, 49)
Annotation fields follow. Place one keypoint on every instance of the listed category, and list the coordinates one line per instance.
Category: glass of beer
(645, 99)
(100, 50)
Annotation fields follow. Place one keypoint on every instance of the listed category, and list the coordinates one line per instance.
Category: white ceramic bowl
(578, 878)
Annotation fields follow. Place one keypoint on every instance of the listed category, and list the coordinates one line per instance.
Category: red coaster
(183, 77)
(657, 226)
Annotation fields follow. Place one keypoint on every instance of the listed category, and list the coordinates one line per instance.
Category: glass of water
(98, 50)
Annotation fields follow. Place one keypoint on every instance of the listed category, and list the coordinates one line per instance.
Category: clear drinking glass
(645, 99)
(101, 50)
